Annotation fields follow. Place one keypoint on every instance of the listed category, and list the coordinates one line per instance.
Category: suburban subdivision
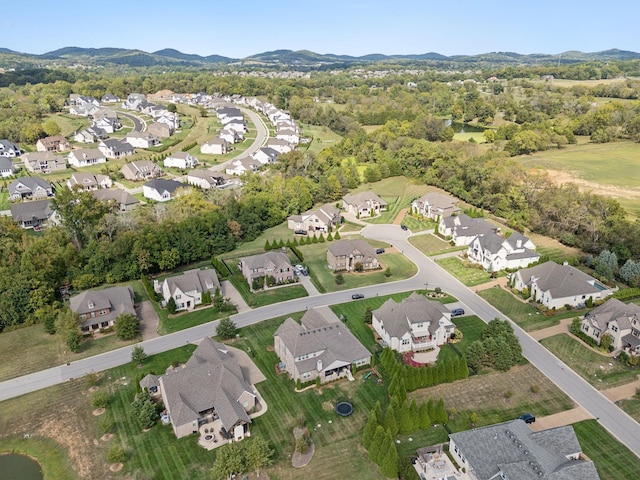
(287, 268)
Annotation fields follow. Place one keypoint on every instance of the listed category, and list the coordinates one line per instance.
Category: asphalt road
(617, 422)
(262, 133)
(138, 124)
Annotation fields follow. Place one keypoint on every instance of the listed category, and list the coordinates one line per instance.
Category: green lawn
(471, 328)
(600, 371)
(180, 321)
(51, 457)
(350, 227)
(432, 244)
(468, 275)
(322, 137)
(315, 258)
(613, 460)
(416, 225)
(631, 406)
(5, 204)
(279, 232)
(524, 314)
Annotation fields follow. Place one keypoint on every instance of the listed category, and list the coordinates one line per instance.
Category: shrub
(105, 424)
(339, 279)
(171, 306)
(535, 389)
(99, 399)
(116, 454)
(302, 444)
(387, 272)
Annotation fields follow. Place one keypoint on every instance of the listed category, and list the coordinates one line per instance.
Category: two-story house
(435, 205)
(57, 143)
(364, 204)
(616, 318)
(462, 229)
(496, 253)
(43, 162)
(320, 219)
(414, 324)
(270, 264)
(85, 157)
(99, 309)
(352, 255)
(29, 188)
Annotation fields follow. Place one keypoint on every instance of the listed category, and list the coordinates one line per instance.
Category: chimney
(319, 365)
(519, 243)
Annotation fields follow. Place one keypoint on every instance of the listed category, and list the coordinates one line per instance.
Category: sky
(240, 28)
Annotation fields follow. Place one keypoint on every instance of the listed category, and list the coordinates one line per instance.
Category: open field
(600, 371)
(432, 244)
(613, 460)
(609, 169)
(524, 314)
(322, 137)
(485, 395)
(470, 276)
(315, 258)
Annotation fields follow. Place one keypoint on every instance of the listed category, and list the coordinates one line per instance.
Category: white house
(435, 205)
(89, 181)
(279, 145)
(84, 157)
(187, 289)
(414, 324)
(113, 148)
(242, 166)
(142, 140)
(215, 146)
(496, 253)
(288, 135)
(206, 179)
(462, 229)
(555, 286)
(266, 155)
(9, 149)
(180, 160)
(7, 168)
(161, 189)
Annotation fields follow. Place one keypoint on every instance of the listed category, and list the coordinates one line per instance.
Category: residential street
(429, 274)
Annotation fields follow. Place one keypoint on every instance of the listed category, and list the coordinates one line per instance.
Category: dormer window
(91, 304)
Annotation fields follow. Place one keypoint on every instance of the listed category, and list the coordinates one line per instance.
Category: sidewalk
(235, 297)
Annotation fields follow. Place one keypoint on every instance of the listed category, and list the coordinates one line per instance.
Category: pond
(19, 467)
(459, 127)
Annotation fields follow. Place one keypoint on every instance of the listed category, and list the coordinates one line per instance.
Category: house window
(614, 328)
(585, 328)
(177, 297)
(405, 341)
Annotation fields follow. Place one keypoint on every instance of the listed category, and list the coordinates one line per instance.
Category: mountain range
(300, 58)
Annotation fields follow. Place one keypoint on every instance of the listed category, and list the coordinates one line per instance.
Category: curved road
(139, 125)
(262, 134)
(617, 422)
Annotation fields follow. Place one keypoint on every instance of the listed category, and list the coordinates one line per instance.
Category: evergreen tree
(414, 413)
(336, 236)
(377, 409)
(369, 430)
(377, 444)
(404, 420)
(389, 462)
(440, 412)
(321, 239)
(267, 245)
(391, 420)
(431, 409)
(450, 372)
(424, 420)
(294, 242)
(329, 237)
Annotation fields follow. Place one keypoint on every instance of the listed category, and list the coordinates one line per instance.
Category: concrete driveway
(149, 321)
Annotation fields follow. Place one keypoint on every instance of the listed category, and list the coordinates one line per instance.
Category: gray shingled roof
(117, 195)
(35, 210)
(6, 164)
(397, 317)
(118, 299)
(162, 185)
(512, 447)
(561, 280)
(317, 334)
(194, 280)
(27, 185)
(362, 199)
(259, 261)
(438, 200)
(211, 378)
(614, 309)
(327, 213)
(346, 248)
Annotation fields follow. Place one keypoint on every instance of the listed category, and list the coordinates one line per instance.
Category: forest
(411, 137)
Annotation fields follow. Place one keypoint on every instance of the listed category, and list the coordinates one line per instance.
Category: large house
(56, 143)
(618, 319)
(320, 219)
(9, 149)
(7, 168)
(29, 188)
(142, 139)
(364, 204)
(88, 181)
(435, 205)
(243, 165)
(414, 324)
(90, 135)
(206, 179)
(351, 255)
(182, 160)
(187, 289)
(511, 450)
(555, 286)
(84, 157)
(123, 199)
(496, 253)
(161, 189)
(114, 148)
(140, 170)
(99, 309)
(215, 146)
(32, 214)
(319, 346)
(266, 155)
(279, 145)
(160, 130)
(213, 391)
(462, 229)
(270, 264)
(43, 162)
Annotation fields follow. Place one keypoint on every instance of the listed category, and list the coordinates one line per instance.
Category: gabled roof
(122, 197)
(397, 317)
(437, 200)
(464, 225)
(86, 179)
(561, 280)
(613, 310)
(39, 157)
(513, 448)
(211, 379)
(86, 154)
(6, 145)
(6, 164)
(28, 184)
(116, 145)
(195, 280)
(27, 211)
(328, 213)
(316, 333)
(208, 175)
(262, 259)
(163, 185)
(363, 198)
(347, 247)
(118, 299)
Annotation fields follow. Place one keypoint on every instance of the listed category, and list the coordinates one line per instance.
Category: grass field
(471, 328)
(321, 137)
(613, 460)
(631, 406)
(468, 275)
(52, 458)
(416, 225)
(611, 169)
(485, 395)
(600, 371)
(5, 204)
(315, 258)
(432, 244)
(524, 314)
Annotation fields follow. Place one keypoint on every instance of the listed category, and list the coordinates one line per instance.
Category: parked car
(357, 296)
(456, 312)
(379, 250)
(300, 232)
(528, 418)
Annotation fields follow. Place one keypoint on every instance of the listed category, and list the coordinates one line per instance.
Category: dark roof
(397, 317)
(115, 194)
(614, 310)
(560, 280)
(117, 146)
(262, 259)
(522, 454)
(117, 299)
(162, 184)
(28, 211)
(28, 184)
(195, 280)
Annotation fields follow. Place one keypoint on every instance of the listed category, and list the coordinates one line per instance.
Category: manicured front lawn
(432, 245)
(416, 225)
(469, 276)
(613, 460)
(600, 371)
(315, 258)
(471, 328)
(524, 314)
(180, 321)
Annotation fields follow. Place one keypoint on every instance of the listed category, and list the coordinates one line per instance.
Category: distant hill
(300, 58)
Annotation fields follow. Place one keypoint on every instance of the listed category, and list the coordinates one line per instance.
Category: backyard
(469, 275)
(524, 314)
(599, 370)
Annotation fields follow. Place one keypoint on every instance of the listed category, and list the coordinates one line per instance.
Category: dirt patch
(562, 177)
(116, 467)
(93, 389)
(98, 411)
(269, 348)
(106, 437)
(327, 406)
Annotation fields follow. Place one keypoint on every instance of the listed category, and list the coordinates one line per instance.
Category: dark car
(300, 232)
(357, 296)
(456, 312)
(404, 227)
(379, 250)
(528, 418)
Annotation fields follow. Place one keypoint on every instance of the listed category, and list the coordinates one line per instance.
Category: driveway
(235, 297)
(149, 321)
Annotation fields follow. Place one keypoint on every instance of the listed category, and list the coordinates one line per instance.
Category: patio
(434, 464)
